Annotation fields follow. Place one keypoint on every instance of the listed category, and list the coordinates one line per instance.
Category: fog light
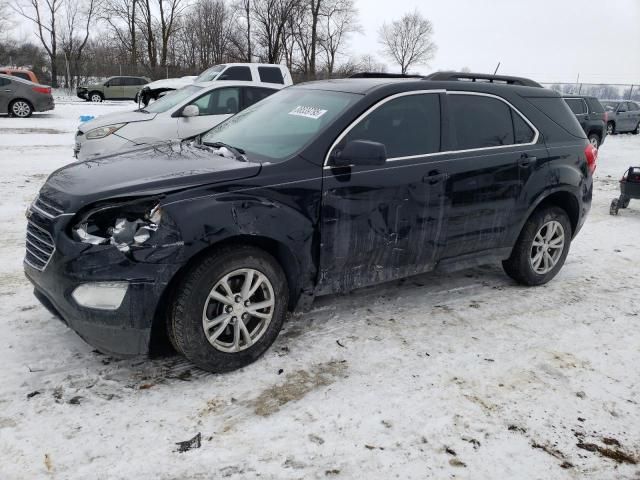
(102, 296)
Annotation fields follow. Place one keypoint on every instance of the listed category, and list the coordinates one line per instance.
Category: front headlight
(122, 225)
(105, 131)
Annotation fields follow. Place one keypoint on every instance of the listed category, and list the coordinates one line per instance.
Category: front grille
(40, 247)
(46, 207)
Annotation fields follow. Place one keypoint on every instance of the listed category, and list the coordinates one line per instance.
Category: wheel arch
(17, 99)
(281, 252)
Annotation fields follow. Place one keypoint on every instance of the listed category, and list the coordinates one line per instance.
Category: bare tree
(244, 9)
(408, 41)
(44, 14)
(122, 18)
(74, 36)
(340, 20)
(270, 19)
(368, 63)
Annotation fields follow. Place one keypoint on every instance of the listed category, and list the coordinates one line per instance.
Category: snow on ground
(464, 375)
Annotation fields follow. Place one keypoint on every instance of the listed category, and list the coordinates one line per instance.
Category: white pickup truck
(266, 73)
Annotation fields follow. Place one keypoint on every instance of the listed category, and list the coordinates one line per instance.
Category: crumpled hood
(117, 117)
(146, 171)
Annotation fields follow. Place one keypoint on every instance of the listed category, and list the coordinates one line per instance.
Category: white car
(181, 114)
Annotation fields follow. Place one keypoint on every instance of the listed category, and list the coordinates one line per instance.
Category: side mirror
(360, 152)
(107, 84)
(190, 111)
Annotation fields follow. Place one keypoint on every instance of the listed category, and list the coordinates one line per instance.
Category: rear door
(494, 150)
(634, 113)
(215, 106)
(6, 93)
(382, 222)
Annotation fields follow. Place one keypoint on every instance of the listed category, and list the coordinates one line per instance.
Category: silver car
(20, 98)
(622, 116)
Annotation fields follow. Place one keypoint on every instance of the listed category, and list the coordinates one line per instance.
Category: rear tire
(541, 248)
(216, 321)
(594, 139)
(20, 108)
(611, 128)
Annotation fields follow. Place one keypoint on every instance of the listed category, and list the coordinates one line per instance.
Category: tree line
(81, 39)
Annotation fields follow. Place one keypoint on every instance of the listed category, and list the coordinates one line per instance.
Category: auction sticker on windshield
(308, 112)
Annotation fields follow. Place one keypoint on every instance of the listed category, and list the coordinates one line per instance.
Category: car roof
(364, 86)
(238, 83)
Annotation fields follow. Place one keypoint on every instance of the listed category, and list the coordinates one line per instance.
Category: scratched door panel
(380, 224)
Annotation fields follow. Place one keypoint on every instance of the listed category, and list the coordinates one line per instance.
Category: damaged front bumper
(120, 327)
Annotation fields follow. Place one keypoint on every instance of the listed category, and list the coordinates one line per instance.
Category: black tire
(623, 202)
(637, 130)
(20, 108)
(519, 265)
(192, 300)
(94, 95)
(614, 207)
(611, 128)
(594, 139)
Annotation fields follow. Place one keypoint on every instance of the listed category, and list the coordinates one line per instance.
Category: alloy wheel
(238, 310)
(594, 141)
(548, 245)
(21, 109)
(610, 129)
(96, 98)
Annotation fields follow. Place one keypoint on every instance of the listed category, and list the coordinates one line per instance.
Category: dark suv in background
(591, 115)
(321, 188)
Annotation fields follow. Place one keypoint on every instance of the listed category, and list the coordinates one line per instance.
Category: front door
(113, 89)
(382, 222)
(215, 107)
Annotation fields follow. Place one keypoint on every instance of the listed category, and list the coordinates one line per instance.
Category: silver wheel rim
(547, 247)
(21, 109)
(610, 129)
(594, 141)
(96, 98)
(238, 310)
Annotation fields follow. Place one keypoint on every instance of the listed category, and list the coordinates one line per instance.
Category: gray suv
(114, 88)
(20, 98)
(623, 116)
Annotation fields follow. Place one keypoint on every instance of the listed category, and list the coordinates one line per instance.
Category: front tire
(229, 309)
(21, 109)
(541, 248)
(96, 97)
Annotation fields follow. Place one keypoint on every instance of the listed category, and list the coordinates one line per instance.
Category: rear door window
(576, 105)
(236, 73)
(480, 122)
(270, 75)
(4, 82)
(254, 95)
(23, 75)
(408, 125)
(116, 82)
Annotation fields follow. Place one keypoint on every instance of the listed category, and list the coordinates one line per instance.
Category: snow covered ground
(464, 375)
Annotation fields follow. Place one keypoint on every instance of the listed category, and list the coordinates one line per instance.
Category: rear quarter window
(270, 75)
(24, 76)
(559, 112)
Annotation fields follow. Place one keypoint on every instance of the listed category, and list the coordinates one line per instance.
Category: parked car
(591, 115)
(624, 116)
(20, 73)
(250, 72)
(320, 188)
(114, 88)
(20, 98)
(182, 114)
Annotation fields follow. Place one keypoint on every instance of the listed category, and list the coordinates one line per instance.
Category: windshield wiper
(237, 152)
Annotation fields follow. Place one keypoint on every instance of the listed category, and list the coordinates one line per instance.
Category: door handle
(526, 160)
(433, 177)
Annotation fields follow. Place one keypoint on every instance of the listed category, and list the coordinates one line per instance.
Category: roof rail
(383, 75)
(482, 77)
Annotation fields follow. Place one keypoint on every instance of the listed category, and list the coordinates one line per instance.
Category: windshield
(610, 106)
(209, 74)
(172, 99)
(281, 124)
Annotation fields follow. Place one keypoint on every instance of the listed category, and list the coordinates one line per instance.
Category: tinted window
(480, 122)
(4, 82)
(523, 133)
(116, 82)
(406, 126)
(270, 75)
(576, 105)
(23, 75)
(254, 95)
(222, 101)
(283, 123)
(557, 110)
(236, 73)
(140, 81)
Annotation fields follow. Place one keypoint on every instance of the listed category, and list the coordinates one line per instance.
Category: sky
(547, 40)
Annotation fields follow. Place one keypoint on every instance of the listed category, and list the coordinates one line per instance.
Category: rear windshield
(557, 110)
(172, 99)
(281, 124)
